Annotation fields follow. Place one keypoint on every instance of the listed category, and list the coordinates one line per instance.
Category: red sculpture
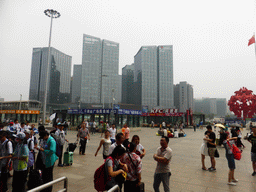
(243, 103)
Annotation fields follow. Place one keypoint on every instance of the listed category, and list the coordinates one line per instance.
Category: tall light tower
(53, 14)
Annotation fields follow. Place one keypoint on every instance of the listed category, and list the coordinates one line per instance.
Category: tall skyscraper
(127, 84)
(153, 76)
(59, 76)
(221, 104)
(184, 97)
(165, 76)
(100, 63)
(76, 83)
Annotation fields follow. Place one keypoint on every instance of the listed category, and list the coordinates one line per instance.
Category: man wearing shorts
(211, 147)
(252, 140)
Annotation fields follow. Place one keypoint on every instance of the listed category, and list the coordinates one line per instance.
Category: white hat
(20, 135)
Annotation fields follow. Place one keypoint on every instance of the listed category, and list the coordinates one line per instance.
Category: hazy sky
(209, 38)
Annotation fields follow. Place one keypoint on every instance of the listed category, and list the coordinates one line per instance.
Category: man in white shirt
(94, 125)
(61, 134)
(22, 128)
(16, 125)
(119, 141)
(112, 131)
(27, 126)
(163, 124)
(163, 171)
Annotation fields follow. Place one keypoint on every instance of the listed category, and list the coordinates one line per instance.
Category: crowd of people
(123, 155)
(229, 140)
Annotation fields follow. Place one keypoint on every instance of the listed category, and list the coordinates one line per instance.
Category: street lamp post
(52, 14)
(20, 101)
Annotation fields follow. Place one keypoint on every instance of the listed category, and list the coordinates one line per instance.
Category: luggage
(35, 179)
(181, 134)
(142, 187)
(176, 134)
(68, 158)
(72, 146)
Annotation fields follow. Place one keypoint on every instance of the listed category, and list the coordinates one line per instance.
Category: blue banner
(104, 111)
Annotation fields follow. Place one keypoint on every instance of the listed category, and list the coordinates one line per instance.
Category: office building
(221, 104)
(76, 83)
(100, 61)
(153, 77)
(183, 97)
(59, 73)
(127, 84)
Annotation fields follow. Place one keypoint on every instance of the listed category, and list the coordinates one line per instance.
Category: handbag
(216, 154)
(236, 152)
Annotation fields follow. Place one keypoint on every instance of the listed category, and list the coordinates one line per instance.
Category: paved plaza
(187, 174)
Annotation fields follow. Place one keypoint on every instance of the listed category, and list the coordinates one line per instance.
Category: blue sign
(91, 111)
(116, 106)
(129, 112)
(104, 111)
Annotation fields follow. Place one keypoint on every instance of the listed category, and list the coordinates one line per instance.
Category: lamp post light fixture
(53, 14)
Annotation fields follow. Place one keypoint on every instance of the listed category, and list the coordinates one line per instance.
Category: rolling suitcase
(68, 157)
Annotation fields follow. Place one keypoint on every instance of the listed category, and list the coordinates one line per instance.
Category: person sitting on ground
(139, 148)
(228, 142)
(106, 142)
(134, 164)
(113, 165)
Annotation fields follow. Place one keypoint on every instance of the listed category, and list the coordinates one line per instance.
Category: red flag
(251, 41)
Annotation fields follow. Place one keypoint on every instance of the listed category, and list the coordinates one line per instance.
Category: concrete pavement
(187, 174)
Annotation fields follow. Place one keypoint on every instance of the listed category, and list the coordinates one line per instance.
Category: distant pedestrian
(126, 135)
(163, 125)
(104, 128)
(211, 147)
(106, 143)
(83, 134)
(194, 126)
(228, 142)
(163, 170)
(16, 125)
(112, 131)
(94, 125)
(252, 140)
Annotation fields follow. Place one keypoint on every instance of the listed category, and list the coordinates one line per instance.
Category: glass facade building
(153, 76)
(184, 97)
(99, 83)
(59, 76)
(76, 83)
(127, 84)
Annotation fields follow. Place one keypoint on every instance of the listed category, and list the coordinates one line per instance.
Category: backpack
(57, 139)
(237, 153)
(100, 179)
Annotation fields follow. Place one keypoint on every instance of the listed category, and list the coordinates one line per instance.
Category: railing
(116, 187)
(41, 187)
